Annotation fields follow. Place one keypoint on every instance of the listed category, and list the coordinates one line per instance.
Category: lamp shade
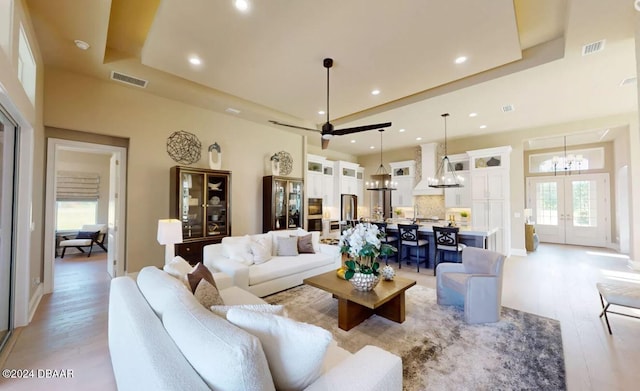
(169, 231)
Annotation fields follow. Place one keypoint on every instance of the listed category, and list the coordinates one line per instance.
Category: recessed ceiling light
(353, 141)
(460, 59)
(483, 126)
(82, 45)
(375, 92)
(321, 112)
(241, 5)
(195, 60)
(402, 130)
(473, 114)
(372, 147)
(231, 110)
(418, 138)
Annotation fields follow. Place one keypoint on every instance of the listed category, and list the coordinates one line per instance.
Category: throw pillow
(315, 238)
(178, 268)
(225, 356)
(200, 272)
(238, 248)
(288, 246)
(87, 235)
(276, 309)
(207, 294)
(261, 249)
(295, 351)
(305, 246)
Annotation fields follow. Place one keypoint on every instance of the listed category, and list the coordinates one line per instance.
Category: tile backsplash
(430, 205)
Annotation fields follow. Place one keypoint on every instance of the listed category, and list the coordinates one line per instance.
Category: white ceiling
(267, 62)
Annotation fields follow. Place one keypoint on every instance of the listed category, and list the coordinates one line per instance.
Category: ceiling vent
(507, 108)
(134, 81)
(593, 47)
(628, 80)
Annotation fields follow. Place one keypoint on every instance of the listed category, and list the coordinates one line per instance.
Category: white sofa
(162, 338)
(278, 273)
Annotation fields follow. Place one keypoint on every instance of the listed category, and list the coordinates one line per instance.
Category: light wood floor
(69, 330)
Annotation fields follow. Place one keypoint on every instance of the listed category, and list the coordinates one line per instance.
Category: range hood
(429, 167)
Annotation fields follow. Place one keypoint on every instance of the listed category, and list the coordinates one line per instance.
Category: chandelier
(381, 180)
(566, 162)
(445, 175)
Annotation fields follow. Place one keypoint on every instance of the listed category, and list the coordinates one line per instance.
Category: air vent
(593, 47)
(507, 108)
(629, 80)
(134, 81)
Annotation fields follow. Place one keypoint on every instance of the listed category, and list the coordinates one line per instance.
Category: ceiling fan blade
(293, 126)
(356, 129)
(325, 143)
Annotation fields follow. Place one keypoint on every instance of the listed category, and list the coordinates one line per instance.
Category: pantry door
(571, 209)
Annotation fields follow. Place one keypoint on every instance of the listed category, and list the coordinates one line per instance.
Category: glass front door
(571, 209)
(8, 134)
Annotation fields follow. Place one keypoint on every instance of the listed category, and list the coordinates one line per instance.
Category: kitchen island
(471, 236)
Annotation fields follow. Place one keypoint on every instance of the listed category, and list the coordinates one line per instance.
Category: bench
(624, 294)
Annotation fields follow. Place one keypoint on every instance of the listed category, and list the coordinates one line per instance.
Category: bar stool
(388, 239)
(446, 239)
(408, 234)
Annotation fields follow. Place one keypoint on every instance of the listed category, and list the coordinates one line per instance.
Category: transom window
(575, 161)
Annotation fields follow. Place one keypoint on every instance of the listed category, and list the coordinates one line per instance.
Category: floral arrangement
(363, 245)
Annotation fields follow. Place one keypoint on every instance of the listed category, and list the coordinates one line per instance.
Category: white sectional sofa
(236, 256)
(162, 338)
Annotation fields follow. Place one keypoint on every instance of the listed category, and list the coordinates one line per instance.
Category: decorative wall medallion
(285, 163)
(184, 147)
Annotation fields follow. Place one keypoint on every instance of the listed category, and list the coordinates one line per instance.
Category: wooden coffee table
(387, 299)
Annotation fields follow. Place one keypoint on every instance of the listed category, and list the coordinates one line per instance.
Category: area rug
(439, 351)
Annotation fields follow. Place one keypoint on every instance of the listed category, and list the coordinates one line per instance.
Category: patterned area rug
(439, 351)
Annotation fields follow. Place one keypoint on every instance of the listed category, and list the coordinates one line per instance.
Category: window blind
(75, 185)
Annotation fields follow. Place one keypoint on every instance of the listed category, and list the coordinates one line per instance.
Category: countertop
(464, 229)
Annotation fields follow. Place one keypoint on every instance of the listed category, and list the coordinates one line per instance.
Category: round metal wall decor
(184, 147)
(285, 162)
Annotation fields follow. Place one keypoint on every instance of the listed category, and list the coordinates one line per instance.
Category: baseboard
(133, 275)
(519, 252)
(35, 301)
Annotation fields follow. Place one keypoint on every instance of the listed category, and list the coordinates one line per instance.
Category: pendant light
(381, 180)
(445, 175)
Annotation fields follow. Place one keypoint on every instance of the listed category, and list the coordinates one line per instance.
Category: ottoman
(625, 294)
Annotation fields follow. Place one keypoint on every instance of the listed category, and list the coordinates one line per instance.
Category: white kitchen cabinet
(345, 175)
(403, 177)
(491, 208)
(315, 179)
(360, 184)
(328, 195)
(459, 197)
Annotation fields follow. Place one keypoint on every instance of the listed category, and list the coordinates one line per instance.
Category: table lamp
(169, 233)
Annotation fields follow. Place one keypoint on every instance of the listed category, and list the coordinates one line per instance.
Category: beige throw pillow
(288, 246)
(207, 294)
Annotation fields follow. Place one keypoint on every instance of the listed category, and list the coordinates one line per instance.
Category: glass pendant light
(445, 175)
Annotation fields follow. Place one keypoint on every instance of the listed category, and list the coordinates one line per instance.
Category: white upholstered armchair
(476, 284)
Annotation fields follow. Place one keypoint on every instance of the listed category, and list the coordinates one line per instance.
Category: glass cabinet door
(280, 190)
(295, 205)
(191, 205)
(217, 205)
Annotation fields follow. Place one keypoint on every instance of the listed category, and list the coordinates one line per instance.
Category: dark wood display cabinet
(201, 199)
(282, 206)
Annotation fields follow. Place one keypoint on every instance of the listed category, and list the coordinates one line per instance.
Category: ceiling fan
(327, 128)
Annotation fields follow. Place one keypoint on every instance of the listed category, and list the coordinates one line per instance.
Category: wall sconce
(169, 233)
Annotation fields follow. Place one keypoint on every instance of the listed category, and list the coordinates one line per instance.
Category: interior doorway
(571, 209)
(115, 212)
